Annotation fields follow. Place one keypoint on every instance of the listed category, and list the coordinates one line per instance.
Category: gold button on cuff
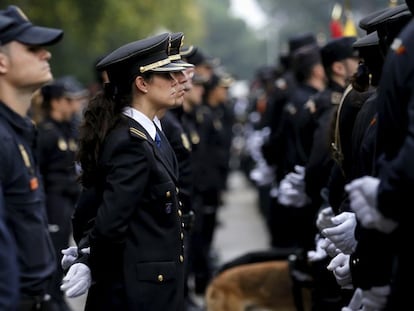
(160, 278)
(168, 194)
(181, 258)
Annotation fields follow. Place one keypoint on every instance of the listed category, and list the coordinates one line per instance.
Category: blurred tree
(94, 28)
(228, 38)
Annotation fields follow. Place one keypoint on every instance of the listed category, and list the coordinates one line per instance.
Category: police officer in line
(380, 263)
(340, 61)
(57, 143)
(375, 264)
(370, 262)
(274, 149)
(135, 198)
(22, 51)
(172, 125)
(9, 274)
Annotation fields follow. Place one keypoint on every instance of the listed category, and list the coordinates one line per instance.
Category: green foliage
(228, 38)
(93, 28)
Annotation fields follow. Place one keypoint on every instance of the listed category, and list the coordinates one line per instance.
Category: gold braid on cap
(174, 57)
(151, 66)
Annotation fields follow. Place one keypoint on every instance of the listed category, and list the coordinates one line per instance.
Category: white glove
(330, 248)
(70, 254)
(363, 200)
(297, 177)
(319, 253)
(356, 301)
(324, 218)
(375, 298)
(340, 268)
(292, 189)
(77, 281)
(343, 232)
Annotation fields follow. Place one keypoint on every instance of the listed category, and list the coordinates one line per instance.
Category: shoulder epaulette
(138, 133)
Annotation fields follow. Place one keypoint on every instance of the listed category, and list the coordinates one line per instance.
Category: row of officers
(334, 170)
(135, 173)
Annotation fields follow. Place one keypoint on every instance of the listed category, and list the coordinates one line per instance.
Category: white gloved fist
(355, 303)
(297, 177)
(375, 298)
(319, 253)
(324, 218)
(339, 265)
(291, 190)
(363, 201)
(330, 248)
(70, 254)
(77, 281)
(342, 234)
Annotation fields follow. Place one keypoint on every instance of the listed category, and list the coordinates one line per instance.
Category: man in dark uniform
(172, 126)
(9, 274)
(340, 61)
(380, 203)
(23, 69)
(57, 143)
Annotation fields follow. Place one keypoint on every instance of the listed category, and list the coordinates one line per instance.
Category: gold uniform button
(180, 203)
(180, 213)
(177, 190)
(181, 258)
(160, 278)
(182, 225)
(182, 236)
(168, 194)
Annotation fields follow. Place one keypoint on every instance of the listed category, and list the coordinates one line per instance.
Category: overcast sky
(249, 11)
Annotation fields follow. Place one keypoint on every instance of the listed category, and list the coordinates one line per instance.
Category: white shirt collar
(157, 122)
(142, 119)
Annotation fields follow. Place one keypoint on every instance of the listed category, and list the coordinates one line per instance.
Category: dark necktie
(157, 139)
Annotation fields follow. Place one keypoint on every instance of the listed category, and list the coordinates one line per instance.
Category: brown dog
(263, 285)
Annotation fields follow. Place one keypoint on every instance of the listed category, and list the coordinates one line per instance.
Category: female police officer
(136, 241)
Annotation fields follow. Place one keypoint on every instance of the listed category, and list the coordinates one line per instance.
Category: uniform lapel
(157, 151)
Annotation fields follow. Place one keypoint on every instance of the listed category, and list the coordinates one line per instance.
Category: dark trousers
(34, 303)
(60, 210)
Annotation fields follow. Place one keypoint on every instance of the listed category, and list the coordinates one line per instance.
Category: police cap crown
(337, 50)
(177, 41)
(5, 22)
(385, 17)
(22, 30)
(138, 57)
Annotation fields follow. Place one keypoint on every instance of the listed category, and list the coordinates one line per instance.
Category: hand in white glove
(363, 200)
(324, 218)
(330, 248)
(356, 301)
(340, 268)
(77, 281)
(319, 253)
(343, 232)
(292, 190)
(375, 298)
(297, 178)
(70, 254)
